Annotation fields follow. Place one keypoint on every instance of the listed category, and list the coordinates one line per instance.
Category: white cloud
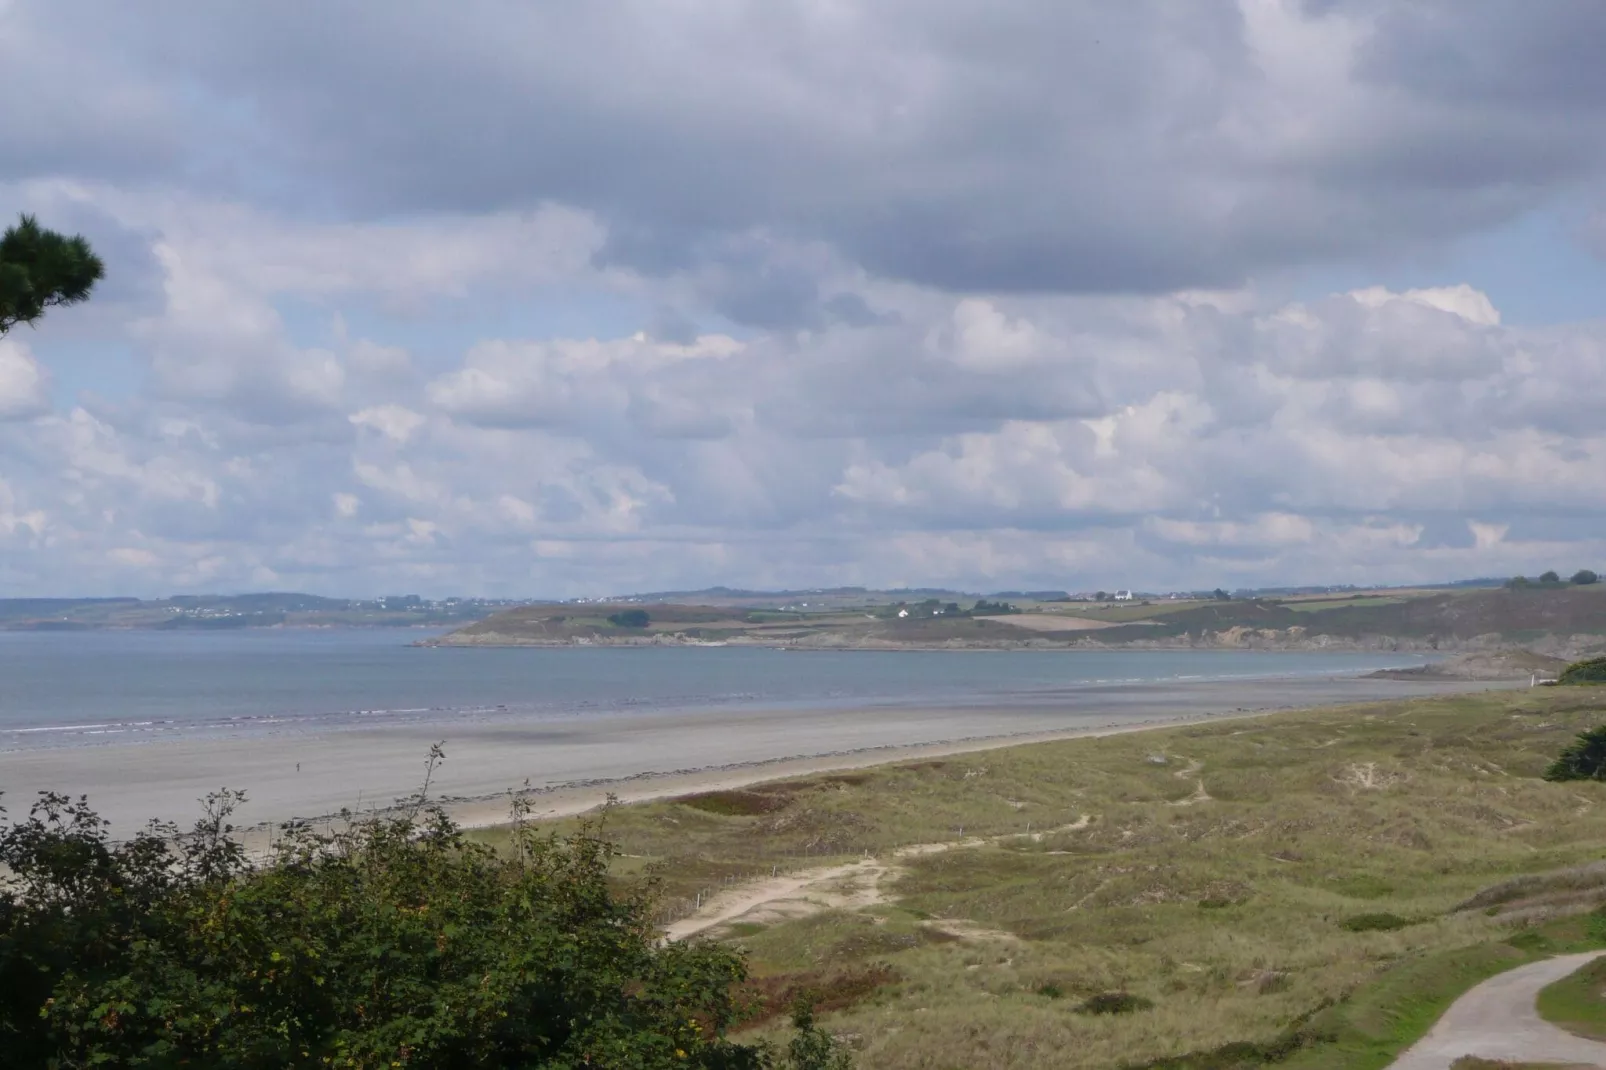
(24, 385)
(977, 294)
(393, 421)
(1462, 300)
(1208, 446)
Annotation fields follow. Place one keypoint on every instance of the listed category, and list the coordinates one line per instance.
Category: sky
(526, 297)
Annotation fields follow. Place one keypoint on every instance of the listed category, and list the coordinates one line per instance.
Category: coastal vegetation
(1588, 671)
(1302, 890)
(1577, 1002)
(1305, 890)
(630, 618)
(388, 941)
(1583, 759)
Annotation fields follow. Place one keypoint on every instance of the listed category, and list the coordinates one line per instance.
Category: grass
(1577, 1002)
(1473, 1062)
(1125, 611)
(1380, 1019)
(1316, 605)
(1215, 885)
(1374, 923)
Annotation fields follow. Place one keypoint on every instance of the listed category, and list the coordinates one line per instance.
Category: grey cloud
(103, 119)
(1023, 146)
(1495, 54)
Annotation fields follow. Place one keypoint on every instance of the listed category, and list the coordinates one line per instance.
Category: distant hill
(211, 612)
(1515, 615)
(1573, 617)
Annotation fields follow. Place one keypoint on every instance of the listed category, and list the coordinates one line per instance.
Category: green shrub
(1374, 923)
(1115, 1003)
(1592, 671)
(811, 1048)
(1583, 759)
(394, 941)
(630, 618)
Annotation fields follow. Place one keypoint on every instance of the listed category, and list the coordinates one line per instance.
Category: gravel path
(1497, 1020)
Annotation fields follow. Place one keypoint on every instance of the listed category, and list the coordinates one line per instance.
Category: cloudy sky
(518, 297)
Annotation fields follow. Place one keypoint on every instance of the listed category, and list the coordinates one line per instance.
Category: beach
(573, 764)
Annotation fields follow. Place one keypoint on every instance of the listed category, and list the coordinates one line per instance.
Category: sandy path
(846, 886)
(1498, 1020)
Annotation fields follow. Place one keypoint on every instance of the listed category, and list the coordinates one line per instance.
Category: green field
(1289, 884)
(1420, 620)
(1316, 605)
(1578, 1003)
(1125, 611)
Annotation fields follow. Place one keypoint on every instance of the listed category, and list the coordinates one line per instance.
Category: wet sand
(575, 762)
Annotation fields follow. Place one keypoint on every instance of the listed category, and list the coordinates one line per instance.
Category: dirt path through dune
(844, 886)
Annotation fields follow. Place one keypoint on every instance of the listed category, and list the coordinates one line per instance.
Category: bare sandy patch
(850, 886)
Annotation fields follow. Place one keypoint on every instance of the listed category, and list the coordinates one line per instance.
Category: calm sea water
(86, 688)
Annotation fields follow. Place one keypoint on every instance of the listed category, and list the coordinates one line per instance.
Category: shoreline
(571, 764)
(581, 797)
(1085, 640)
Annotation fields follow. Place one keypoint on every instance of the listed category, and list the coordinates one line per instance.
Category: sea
(98, 688)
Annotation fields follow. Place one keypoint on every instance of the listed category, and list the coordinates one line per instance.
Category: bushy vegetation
(984, 608)
(1591, 671)
(1583, 759)
(1582, 578)
(1374, 923)
(391, 941)
(1115, 1003)
(630, 618)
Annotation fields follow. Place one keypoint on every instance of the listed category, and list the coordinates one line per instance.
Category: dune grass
(1213, 870)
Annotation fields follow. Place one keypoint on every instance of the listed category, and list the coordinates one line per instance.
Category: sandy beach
(575, 763)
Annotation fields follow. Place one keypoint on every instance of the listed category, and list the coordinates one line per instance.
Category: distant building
(903, 612)
(1123, 596)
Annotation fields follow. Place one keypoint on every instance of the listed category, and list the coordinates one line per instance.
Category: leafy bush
(1584, 577)
(1591, 671)
(1374, 923)
(393, 941)
(630, 618)
(1583, 759)
(811, 1048)
(1115, 1003)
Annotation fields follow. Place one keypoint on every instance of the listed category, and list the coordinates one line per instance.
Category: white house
(1123, 596)
(903, 612)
